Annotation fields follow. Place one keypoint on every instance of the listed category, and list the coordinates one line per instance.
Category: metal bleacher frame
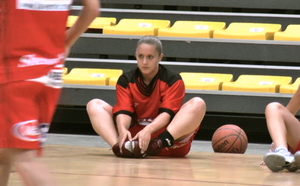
(242, 108)
(260, 57)
(215, 49)
(217, 101)
(228, 17)
(253, 4)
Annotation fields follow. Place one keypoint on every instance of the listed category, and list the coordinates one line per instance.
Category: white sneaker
(292, 167)
(278, 160)
(295, 165)
(297, 158)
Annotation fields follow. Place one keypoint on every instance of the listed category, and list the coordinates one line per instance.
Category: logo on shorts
(44, 5)
(145, 121)
(27, 130)
(33, 60)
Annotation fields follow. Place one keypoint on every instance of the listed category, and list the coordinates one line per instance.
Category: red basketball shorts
(181, 148)
(26, 110)
(293, 151)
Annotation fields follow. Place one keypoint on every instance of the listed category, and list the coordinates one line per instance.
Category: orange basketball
(229, 139)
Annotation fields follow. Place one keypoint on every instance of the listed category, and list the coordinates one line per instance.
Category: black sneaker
(155, 147)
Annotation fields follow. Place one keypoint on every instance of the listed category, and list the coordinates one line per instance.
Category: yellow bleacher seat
(202, 29)
(65, 70)
(257, 83)
(91, 76)
(205, 81)
(71, 20)
(137, 27)
(98, 22)
(253, 31)
(290, 88)
(291, 33)
(113, 81)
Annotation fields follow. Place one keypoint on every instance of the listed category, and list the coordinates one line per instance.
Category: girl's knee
(95, 104)
(274, 106)
(197, 103)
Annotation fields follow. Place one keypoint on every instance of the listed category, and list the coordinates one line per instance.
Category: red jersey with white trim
(32, 37)
(165, 93)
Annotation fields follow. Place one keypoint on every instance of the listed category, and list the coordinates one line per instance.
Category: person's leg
(23, 104)
(284, 130)
(5, 158)
(100, 114)
(181, 129)
(32, 171)
(188, 118)
(283, 126)
(6, 162)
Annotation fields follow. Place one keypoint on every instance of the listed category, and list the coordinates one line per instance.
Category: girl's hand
(144, 137)
(122, 138)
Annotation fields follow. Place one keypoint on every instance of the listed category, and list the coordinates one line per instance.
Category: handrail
(203, 13)
(195, 64)
(259, 4)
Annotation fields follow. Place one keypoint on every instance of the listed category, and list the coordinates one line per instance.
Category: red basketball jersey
(32, 37)
(165, 93)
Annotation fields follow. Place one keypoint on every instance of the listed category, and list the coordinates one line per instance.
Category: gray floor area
(96, 141)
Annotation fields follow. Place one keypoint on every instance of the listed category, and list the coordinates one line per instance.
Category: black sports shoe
(155, 147)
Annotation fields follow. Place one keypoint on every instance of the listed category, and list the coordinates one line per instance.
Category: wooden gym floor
(87, 161)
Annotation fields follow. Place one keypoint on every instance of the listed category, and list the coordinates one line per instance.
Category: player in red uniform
(284, 129)
(33, 45)
(149, 107)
